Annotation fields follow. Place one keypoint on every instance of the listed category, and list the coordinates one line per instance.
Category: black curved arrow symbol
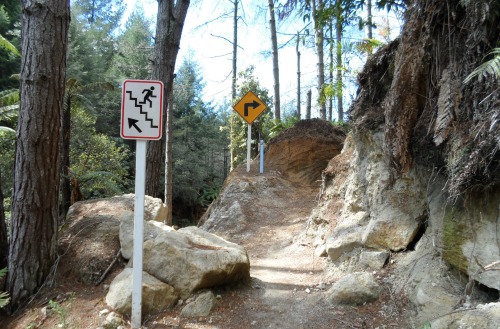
(133, 123)
(254, 104)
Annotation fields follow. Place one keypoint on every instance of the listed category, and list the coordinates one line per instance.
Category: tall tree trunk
(276, 71)
(4, 242)
(339, 91)
(317, 8)
(298, 75)
(233, 116)
(330, 71)
(369, 19)
(36, 175)
(308, 107)
(168, 160)
(169, 24)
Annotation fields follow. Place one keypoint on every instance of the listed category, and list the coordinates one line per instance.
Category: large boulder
(191, 259)
(156, 295)
(151, 231)
(117, 207)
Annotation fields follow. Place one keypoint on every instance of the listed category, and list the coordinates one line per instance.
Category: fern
(491, 67)
(5, 44)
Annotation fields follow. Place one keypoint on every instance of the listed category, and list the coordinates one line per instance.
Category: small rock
(104, 312)
(114, 319)
(308, 290)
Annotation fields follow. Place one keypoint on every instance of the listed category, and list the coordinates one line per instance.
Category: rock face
(354, 289)
(422, 168)
(156, 295)
(484, 316)
(304, 150)
(191, 259)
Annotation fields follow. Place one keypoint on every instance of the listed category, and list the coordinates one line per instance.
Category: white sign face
(142, 108)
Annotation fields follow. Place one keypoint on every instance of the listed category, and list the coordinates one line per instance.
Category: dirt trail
(287, 280)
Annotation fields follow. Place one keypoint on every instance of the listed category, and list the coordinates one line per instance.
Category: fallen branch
(103, 276)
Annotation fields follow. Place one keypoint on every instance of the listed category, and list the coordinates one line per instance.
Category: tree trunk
(308, 108)
(232, 116)
(36, 175)
(168, 160)
(4, 242)
(276, 71)
(330, 72)
(298, 75)
(369, 19)
(317, 7)
(169, 24)
(340, 108)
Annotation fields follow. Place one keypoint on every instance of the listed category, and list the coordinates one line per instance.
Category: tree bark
(276, 71)
(298, 75)
(370, 23)
(330, 72)
(169, 25)
(317, 7)
(36, 175)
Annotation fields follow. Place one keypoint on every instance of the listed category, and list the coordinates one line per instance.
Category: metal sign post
(141, 119)
(249, 107)
(249, 145)
(140, 182)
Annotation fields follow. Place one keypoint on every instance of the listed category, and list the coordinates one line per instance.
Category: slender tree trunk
(340, 108)
(276, 71)
(232, 116)
(298, 75)
(309, 101)
(330, 72)
(369, 19)
(169, 24)
(4, 242)
(36, 175)
(168, 161)
(317, 7)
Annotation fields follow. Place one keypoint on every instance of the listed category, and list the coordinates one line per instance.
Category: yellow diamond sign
(250, 107)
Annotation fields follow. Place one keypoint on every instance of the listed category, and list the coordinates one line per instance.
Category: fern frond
(5, 44)
(491, 67)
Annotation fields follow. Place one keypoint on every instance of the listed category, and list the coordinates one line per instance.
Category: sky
(205, 40)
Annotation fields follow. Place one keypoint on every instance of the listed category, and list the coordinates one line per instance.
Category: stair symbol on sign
(149, 94)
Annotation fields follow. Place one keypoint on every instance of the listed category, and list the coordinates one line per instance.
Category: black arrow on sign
(254, 104)
(133, 123)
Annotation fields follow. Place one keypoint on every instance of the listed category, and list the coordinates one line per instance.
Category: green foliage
(5, 44)
(4, 297)
(198, 143)
(9, 42)
(488, 68)
(248, 82)
(62, 311)
(276, 127)
(134, 49)
(98, 162)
